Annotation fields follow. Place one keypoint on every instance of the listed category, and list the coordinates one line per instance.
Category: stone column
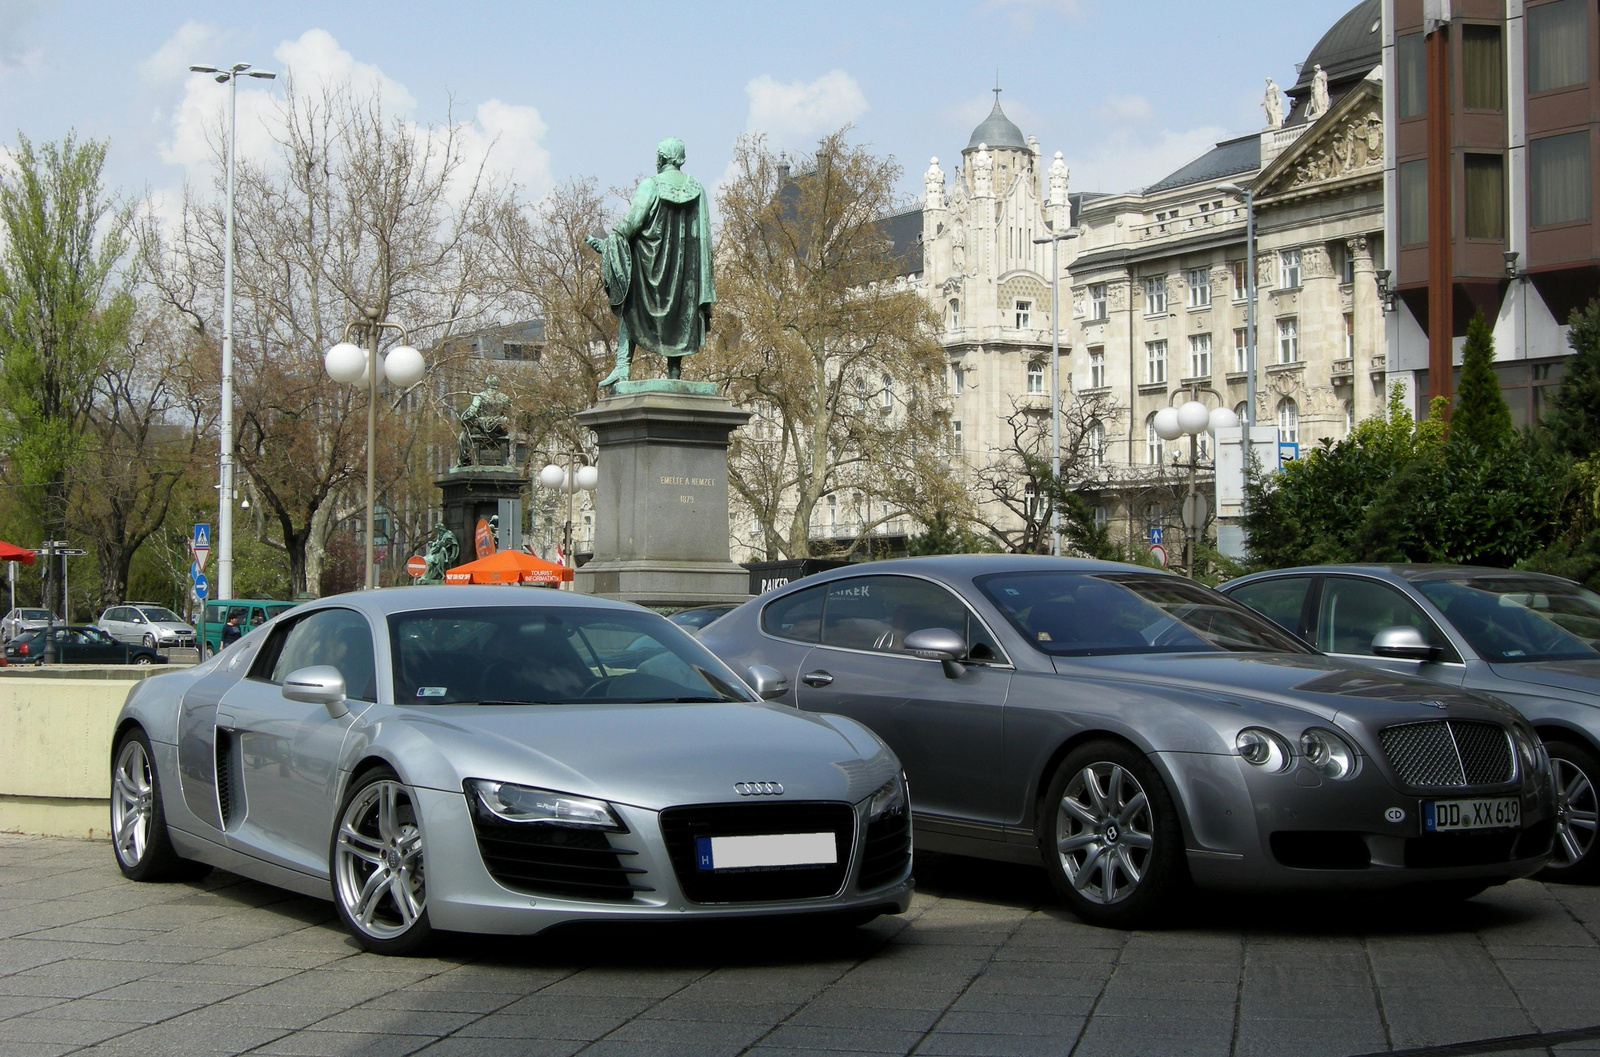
(661, 505)
(1368, 325)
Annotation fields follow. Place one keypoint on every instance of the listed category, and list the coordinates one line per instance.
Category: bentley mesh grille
(565, 861)
(1444, 753)
(681, 826)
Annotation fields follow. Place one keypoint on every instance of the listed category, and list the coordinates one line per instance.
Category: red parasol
(10, 552)
(508, 567)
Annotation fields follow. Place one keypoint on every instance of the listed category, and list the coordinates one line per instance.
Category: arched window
(955, 314)
(1035, 378)
(1096, 438)
(1152, 442)
(1289, 421)
(1242, 409)
(1349, 416)
(886, 397)
(861, 391)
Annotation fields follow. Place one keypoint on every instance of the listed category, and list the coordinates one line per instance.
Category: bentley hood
(651, 756)
(1581, 679)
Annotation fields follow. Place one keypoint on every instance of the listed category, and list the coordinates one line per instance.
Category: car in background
(252, 613)
(1134, 731)
(146, 624)
(24, 619)
(1527, 638)
(78, 644)
(485, 760)
(697, 617)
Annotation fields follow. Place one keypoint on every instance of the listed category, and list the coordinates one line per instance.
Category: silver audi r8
(494, 759)
(1134, 731)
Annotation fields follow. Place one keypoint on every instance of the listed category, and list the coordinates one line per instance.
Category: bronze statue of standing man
(657, 266)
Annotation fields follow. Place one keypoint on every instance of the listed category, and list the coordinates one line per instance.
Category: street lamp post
(349, 364)
(1054, 240)
(1193, 418)
(230, 77)
(571, 479)
(1249, 198)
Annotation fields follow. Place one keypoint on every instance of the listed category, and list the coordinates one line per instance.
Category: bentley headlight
(1263, 749)
(889, 800)
(1327, 753)
(519, 803)
(1530, 750)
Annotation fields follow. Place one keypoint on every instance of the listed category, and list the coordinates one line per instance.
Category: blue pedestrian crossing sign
(202, 537)
(201, 587)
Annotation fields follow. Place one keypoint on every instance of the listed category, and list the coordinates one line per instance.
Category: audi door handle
(816, 678)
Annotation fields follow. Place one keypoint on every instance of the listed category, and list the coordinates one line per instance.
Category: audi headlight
(888, 800)
(1327, 753)
(519, 803)
(1264, 749)
(1530, 750)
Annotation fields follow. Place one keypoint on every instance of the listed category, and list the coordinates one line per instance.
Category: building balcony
(1379, 365)
(895, 528)
(1343, 368)
(1188, 224)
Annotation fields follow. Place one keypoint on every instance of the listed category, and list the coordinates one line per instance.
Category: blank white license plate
(1448, 816)
(767, 850)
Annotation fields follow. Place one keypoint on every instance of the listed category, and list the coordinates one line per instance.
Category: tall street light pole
(230, 77)
(1055, 384)
(1245, 450)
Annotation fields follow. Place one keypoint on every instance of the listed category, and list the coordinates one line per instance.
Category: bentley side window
(878, 612)
(1280, 601)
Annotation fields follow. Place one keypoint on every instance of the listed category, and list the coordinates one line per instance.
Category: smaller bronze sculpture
(485, 438)
(441, 554)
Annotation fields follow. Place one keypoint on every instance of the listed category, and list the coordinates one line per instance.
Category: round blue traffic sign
(201, 587)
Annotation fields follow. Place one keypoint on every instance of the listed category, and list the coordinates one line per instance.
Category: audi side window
(797, 616)
(1351, 612)
(337, 637)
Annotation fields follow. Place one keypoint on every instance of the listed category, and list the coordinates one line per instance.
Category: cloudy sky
(1128, 91)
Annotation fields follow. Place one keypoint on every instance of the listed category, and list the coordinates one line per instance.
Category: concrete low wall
(55, 741)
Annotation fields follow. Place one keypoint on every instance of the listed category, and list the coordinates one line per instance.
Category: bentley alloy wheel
(1573, 774)
(379, 880)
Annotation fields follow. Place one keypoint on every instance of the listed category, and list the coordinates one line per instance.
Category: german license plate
(765, 851)
(1450, 816)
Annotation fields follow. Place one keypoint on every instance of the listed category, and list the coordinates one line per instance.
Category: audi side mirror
(1404, 643)
(939, 644)
(768, 683)
(320, 684)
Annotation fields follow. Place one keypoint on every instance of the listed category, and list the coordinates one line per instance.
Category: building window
(1289, 268)
(1024, 313)
(1558, 44)
(1097, 367)
(833, 510)
(1413, 202)
(1349, 335)
(1035, 378)
(1100, 516)
(1242, 409)
(1288, 421)
(886, 395)
(1347, 264)
(1241, 279)
(1485, 196)
(1199, 355)
(958, 379)
(861, 392)
(1241, 350)
(1030, 501)
(1349, 416)
(1411, 70)
(1155, 295)
(1155, 362)
(1152, 517)
(955, 314)
(1097, 301)
(955, 437)
(1152, 442)
(1483, 68)
(1558, 179)
(1096, 438)
(1199, 287)
(1288, 339)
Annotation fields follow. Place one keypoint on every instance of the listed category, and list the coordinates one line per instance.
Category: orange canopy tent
(10, 552)
(508, 567)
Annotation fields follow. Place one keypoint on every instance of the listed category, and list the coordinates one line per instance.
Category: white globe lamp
(404, 366)
(1193, 417)
(1223, 418)
(1166, 424)
(345, 363)
(553, 476)
(588, 477)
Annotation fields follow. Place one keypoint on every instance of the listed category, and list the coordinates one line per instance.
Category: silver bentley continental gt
(1136, 733)
(501, 760)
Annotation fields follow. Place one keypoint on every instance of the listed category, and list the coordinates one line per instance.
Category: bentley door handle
(816, 678)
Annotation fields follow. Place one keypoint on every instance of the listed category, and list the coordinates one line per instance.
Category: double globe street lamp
(1192, 418)
(350, 364)
(571, 479)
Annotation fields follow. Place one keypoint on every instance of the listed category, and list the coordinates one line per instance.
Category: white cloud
(17, 53)
(194, 42)
(794, 114)
(1022, 12)
(316, 60)
(1127, 109)
(506, 138)
(1128, 159)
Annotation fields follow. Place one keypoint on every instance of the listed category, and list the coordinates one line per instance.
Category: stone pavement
(983, 964)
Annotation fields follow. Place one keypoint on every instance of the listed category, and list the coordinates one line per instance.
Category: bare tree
(822, 339)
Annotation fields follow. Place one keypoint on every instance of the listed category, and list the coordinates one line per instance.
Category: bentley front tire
(1109, 837)
(377, 865)
(139, 835)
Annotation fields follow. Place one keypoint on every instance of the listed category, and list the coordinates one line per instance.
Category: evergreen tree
(1574, 416)
(1481, 416)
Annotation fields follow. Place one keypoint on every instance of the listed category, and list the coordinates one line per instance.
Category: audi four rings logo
(758, 788)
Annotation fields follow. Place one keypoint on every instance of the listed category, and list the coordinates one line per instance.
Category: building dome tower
(1009, 151)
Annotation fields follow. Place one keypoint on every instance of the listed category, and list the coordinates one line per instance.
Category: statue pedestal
(473, 492)
(661, 507)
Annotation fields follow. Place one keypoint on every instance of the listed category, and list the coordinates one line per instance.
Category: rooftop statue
(657, 267)
(1319, 93)
(1273, 105)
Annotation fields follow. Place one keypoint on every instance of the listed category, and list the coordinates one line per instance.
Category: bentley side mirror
(1404, 643)
(768, 683)
(939, 644)
(320, 684)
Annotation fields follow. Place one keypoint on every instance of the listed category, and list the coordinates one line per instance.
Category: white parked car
(22, 620)
(146, 624)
